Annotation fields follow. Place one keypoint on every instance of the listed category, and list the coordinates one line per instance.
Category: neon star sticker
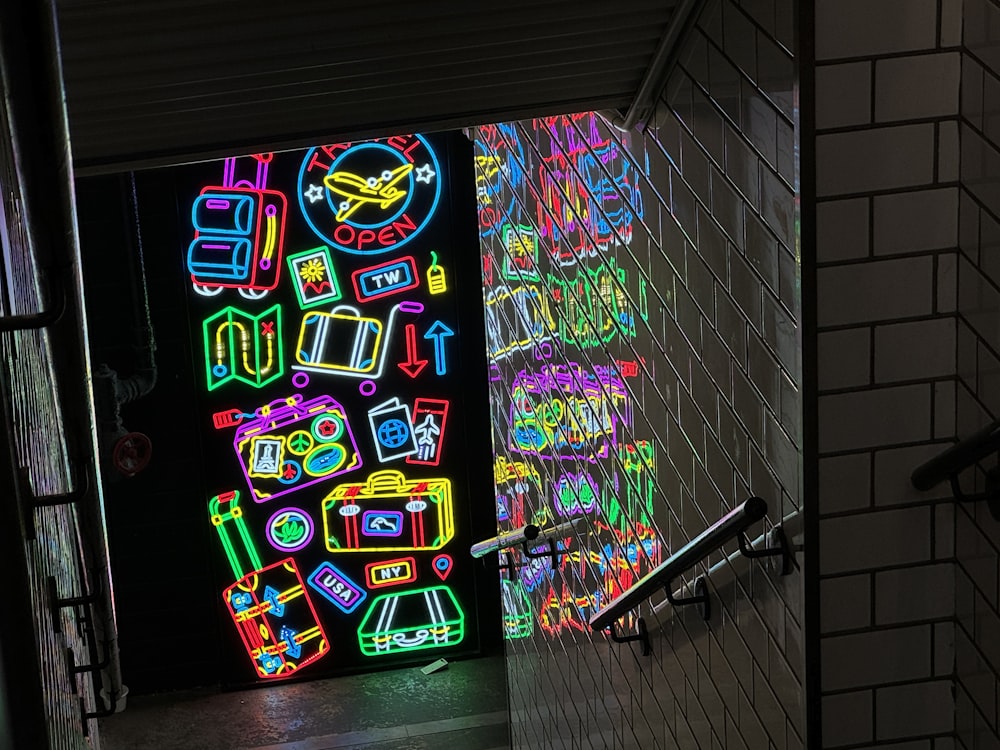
(314, 193)
(425, 173)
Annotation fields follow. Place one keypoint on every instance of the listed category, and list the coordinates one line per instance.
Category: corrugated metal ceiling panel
(163, 81)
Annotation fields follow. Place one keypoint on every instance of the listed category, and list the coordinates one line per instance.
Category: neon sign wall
(327, 313)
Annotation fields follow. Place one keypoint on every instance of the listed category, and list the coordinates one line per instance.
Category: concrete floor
(463, 707)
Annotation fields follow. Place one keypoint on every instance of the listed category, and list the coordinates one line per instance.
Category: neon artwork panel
(331, 295)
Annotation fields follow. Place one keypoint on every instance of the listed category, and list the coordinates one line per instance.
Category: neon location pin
(442, 566)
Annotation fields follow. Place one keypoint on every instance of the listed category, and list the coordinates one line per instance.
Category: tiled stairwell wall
(977, 633)
(887, 164)
(643, 307)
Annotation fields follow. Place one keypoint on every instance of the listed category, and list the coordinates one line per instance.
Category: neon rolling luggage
(270, 606)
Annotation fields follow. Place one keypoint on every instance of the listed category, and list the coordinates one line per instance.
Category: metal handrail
(732, 566)
(524, 535)
(958, 457)
(36, 109)
(727, 528)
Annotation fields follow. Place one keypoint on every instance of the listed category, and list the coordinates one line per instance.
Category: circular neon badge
(370, 197)
(289, 530)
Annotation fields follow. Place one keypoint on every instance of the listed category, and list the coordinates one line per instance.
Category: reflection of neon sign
(291, 444)
(521, 257)
(565, 411)
(499, 171)
(575, 494)
(370, 197)
(389, 513)
(412, 621)
(518, 485)
(517, 620)
(594, 307)
(516, 319)
(582, 211)
(243, 347)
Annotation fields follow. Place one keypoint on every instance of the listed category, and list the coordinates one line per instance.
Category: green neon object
(313, 277)
(243, 347)
(225, 512)
(413, 620)
(517, 619)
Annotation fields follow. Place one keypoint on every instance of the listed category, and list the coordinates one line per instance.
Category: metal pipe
(958, 457)
(667, 52)
(725, 529)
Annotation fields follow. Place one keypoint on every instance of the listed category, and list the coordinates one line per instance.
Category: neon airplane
(360, 191)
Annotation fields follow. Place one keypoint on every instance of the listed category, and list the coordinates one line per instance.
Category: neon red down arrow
(412, 366)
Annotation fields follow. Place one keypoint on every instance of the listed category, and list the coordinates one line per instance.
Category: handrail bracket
(700, 590)
(777, 546)
(991, 494)
(553, 551)
(641, 635)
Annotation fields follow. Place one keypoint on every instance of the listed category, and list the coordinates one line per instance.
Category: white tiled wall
(887, 103)
(718, 396)
(977, 534)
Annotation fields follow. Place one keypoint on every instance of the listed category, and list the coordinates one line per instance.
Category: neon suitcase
(292, 444)
(389, 513)
(412, 621)
(270, 606)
